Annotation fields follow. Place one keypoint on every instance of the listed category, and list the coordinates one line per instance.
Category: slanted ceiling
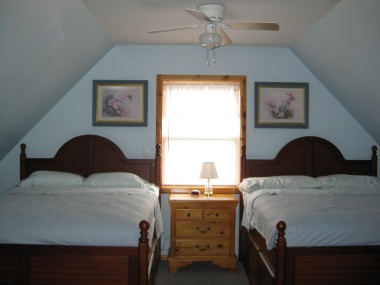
(42, 55)
(343, 51)
(46, 46)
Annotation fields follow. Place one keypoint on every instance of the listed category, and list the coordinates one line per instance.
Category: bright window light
(200, 122)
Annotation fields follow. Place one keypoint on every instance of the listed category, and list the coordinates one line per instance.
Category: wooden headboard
(88, 154)
(311, 156)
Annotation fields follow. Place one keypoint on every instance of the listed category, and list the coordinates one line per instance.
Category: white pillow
(348, 181)
(52, 178)
(274, 182)
(114, 179)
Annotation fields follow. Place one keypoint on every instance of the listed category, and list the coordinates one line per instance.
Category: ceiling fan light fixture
(210, 40)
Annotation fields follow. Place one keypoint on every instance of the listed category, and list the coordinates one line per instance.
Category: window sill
(220, 189)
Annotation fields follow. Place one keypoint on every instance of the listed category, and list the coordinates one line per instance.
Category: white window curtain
(200, 122)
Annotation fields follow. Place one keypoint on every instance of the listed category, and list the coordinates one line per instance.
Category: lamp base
(208, 190)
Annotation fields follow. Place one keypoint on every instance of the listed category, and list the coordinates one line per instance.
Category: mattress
(83, 216)
(315, 217)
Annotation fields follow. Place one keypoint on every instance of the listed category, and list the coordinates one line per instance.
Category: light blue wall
(72, 116)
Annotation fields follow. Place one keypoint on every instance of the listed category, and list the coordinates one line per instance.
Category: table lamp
(208, 172)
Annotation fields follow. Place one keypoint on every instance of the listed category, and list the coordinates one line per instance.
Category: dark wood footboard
(354, 265)
(74, 265)
(259, 263)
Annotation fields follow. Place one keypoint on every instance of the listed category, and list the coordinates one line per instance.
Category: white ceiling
(127, 21)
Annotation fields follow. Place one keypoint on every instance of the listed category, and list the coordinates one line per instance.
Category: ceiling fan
(211, 17)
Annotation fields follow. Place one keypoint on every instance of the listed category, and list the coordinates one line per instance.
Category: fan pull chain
(213, 57)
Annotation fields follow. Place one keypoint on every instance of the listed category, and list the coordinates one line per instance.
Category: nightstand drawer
(188, 214)
(203, 229)
(203, 247)
(216, 214)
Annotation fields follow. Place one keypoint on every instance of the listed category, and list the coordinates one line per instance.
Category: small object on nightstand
(195, 192)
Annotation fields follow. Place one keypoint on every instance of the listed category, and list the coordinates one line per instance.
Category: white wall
(72, 116)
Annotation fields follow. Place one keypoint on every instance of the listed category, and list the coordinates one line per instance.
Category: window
(200, 118)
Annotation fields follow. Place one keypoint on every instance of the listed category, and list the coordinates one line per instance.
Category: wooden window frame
(241, 80)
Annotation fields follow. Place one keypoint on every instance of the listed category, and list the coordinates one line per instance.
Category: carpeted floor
(200, 273)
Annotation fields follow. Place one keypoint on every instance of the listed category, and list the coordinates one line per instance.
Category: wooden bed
(48, 264)
(311, 156)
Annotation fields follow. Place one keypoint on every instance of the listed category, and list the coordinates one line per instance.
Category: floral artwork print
(283, 109)
(281, 105)
(120, 102)
(113, 107)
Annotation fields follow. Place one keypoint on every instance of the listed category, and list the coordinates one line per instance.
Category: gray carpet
(200, 273)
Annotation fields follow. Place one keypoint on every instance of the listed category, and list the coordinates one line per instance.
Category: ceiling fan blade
(178, 28)
(199, 15)
(253, 26)
(225, 39)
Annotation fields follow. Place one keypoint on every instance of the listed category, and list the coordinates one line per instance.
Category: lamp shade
(210, 40)
(208, 171)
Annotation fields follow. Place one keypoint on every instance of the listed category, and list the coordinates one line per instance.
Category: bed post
(22, 161)
(243, 175)
(158, 165)
(280, 253)
(143, 253)
(374, 161)
(242, 162)
(158, 182)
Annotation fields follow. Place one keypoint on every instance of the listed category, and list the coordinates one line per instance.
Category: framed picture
(120, 102)
(281, 105)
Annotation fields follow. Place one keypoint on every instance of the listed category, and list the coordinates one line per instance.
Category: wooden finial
(22, 161)
(23, 151)
(374, 160)
(281, 227)
(243, 148)
(158, 150)
(374, 150)
(144, 227)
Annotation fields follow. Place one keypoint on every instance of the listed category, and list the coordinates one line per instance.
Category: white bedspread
(315, 217)
(77, 215)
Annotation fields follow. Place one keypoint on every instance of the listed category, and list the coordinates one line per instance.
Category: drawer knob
(202, 231)
(203, 248)
(188, 215)
(217, 214)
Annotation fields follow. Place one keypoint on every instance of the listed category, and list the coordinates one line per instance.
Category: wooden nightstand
(202, 229)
